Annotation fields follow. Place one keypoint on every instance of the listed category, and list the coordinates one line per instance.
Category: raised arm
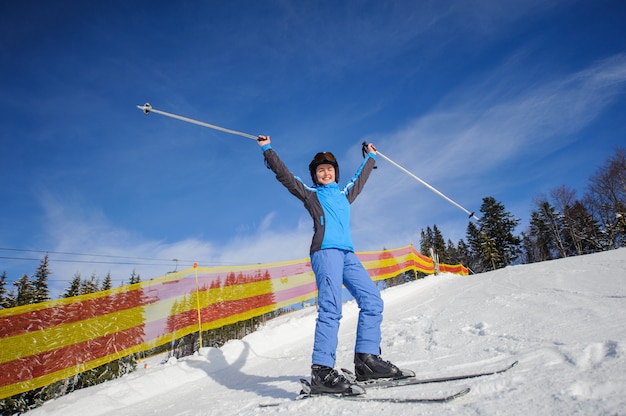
(283, 174)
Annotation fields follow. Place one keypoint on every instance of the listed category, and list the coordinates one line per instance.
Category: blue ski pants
(334, 268)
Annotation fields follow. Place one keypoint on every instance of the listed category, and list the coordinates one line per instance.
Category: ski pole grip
(364, 148)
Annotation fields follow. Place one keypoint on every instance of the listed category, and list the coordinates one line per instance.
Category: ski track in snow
(563, 320)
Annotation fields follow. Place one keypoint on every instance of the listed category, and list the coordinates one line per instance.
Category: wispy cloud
(541, 117)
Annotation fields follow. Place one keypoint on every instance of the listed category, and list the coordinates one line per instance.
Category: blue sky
(478, 98)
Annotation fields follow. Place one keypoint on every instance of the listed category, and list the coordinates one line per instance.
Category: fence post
(195, 267)
(435, 258)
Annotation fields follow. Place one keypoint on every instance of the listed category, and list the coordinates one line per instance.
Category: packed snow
(563, 320)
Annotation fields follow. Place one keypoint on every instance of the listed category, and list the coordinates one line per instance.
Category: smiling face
(325, 174)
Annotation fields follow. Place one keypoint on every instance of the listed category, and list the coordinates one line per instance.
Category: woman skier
(334, 263)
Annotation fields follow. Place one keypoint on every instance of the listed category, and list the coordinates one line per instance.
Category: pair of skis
(359, 393)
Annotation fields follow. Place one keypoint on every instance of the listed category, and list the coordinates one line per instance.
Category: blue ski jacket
(328, 205)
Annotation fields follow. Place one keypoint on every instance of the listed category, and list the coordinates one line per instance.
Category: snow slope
(563, 320)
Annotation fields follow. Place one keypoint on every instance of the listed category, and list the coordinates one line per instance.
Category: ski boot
(326, 380)
(371, 367)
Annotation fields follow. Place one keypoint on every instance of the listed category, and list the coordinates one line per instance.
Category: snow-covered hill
(563, 320)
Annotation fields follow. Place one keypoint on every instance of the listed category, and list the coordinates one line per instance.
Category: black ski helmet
(320, 159)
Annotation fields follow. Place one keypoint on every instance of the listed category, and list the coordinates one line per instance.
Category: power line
(91, 261)
(138, 261)
(124, 260)
(89, 255)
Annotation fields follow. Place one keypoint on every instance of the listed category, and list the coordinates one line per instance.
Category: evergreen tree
(439, 245)
(134, 278)
(529, 249)
(106, 283)
(499, 247)
(464, 255)
(74, 289)
(491, 254)
(540, 244)
(554, 223)
(452, 257)
(427, 240)
(25, 292)
(474, 242)
(3, 290)
(89, 286)
(40, 284)
(5, 300)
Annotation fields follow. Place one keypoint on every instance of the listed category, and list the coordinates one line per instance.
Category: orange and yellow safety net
(50, 341)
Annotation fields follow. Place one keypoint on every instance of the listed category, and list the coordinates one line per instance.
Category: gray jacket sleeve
(284, 175)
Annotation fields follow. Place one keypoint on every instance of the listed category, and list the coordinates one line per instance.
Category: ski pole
(471, 214)
(147, 109)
